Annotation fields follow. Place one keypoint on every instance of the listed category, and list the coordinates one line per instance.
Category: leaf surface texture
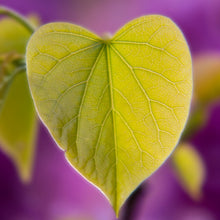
(116, 106)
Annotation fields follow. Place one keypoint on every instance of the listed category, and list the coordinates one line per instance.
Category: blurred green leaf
(34, 19)
(190, 169)
(206, 78)
(13, 36)
(18, 125)
(17, 114)
(116, 106)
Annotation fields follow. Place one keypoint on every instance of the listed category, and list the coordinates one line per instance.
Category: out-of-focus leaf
(207, 77)
(190, 169)
(34, 19)
(17, 114)
(116, 106)
(13, 36)
(18, 125)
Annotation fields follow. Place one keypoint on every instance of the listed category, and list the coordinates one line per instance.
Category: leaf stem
(22, 20)
(8, 81)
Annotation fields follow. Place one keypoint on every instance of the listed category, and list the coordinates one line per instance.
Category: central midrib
(108, 61)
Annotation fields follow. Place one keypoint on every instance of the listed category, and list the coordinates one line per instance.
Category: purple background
(56, 190)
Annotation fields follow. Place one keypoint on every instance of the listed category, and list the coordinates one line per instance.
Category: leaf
(207, 78)
(17, 113)
(18, 126)
(13, 36)
(115, 106)
(190, 169)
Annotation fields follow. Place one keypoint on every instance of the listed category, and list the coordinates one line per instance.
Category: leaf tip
(116, 209)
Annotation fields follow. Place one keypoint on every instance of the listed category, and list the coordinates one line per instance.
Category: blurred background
(186, 187)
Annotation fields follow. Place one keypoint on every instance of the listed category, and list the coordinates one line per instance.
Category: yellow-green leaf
(18, 125)
(116, 106)
(17, 114)
(13, 36)
(190, 169)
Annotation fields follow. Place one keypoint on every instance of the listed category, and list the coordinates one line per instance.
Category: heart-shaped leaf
(116, 106)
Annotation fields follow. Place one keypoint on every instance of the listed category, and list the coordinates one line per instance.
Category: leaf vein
(144, 92)
(163, 50)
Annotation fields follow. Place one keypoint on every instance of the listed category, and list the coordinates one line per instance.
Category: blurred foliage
(206, 91)
(13, 37)
(187, 161)
(190, 169)
(206, 79)
(17, 114)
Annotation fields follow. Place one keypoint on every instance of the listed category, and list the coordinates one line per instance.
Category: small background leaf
(190, 169)
(207, 77)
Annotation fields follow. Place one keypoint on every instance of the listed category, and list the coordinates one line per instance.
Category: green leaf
(13, 36)
(116, 106)
(18, 125)
(17, 113)
(190, 169)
